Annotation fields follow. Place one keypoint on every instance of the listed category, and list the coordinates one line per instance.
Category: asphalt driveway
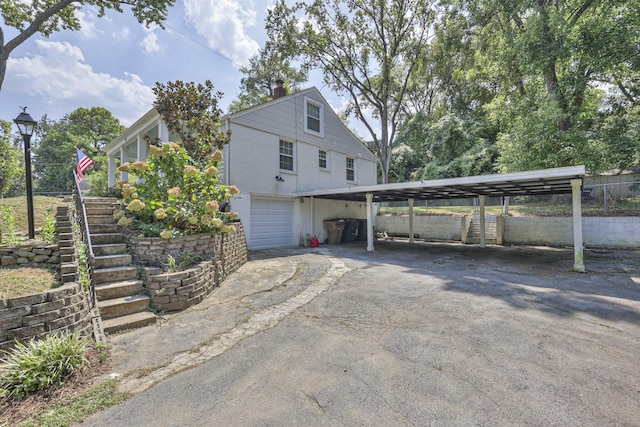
(423, 334)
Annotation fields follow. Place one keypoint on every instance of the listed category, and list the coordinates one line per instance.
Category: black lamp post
(26, 124)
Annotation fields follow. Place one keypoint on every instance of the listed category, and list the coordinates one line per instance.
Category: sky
(113, 61)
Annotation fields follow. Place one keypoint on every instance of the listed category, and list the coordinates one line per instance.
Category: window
(314, 117)
(322, 159)
(351, 169)
(286, 155)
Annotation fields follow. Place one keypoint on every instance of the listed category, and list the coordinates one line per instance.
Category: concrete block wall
(427, 227)
(553, 231)
(221, 254)
(605, 232)
(33, 316)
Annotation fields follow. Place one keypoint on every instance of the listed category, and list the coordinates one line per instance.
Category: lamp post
(26, 124)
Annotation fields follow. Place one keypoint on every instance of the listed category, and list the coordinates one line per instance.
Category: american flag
(83, 163)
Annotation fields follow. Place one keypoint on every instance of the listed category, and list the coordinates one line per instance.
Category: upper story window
(314, 117)
(351, 169)
(286, 155)
(322, 159)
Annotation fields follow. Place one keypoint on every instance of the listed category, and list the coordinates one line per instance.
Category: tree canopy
(260, 76)
(11, 166)
(49, 16)
(88, 129)
(461, 87)
(191, 112)
(366, 49)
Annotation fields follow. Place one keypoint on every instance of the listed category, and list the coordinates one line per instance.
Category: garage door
(271, 223)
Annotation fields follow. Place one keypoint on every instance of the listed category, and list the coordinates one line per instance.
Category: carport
(531, 183)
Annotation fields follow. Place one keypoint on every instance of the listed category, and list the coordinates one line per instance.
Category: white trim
(293, 156)
(320, 105)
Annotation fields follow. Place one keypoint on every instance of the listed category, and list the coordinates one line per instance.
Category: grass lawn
(18, 208)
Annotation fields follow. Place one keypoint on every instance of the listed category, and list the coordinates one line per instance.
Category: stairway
(489, 228)
(66, 245)
(119, 293)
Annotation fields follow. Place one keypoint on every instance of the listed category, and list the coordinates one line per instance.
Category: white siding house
(292, 144)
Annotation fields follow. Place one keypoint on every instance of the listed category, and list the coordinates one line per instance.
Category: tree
(367, 49)
(49, 16)
(88, 129)
(554, 64)
(269, 65)
(11, 166)
(191, 112)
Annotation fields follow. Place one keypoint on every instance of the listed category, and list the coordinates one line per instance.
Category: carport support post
(369, 222)
(410, 220)
(483, 238)
(578, 252)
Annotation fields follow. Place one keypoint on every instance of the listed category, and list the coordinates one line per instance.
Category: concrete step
(107, 238)
(122, 306)
(100, 219)
(104, 228)
(67, 258)
(68, 267)
(123, 288)
(65, 236)
(109, 249)
(131, 321)
(64, 229)
(107, 261)
(93, 210)
(114, 274)
(66, 243)
(476, 241)
(69, 250)
(69, 277)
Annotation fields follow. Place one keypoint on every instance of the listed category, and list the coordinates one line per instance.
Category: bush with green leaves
(171, 196)
(7, 226)
(41, 363)
(48, 229)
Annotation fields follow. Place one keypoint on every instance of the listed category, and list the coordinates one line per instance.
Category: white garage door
(271, 223)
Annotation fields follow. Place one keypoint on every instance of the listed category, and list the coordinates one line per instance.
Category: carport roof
(538, 182)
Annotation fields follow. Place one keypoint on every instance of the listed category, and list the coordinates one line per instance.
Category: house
(292, 144)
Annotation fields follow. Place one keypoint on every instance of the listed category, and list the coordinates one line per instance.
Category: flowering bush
(171, 196)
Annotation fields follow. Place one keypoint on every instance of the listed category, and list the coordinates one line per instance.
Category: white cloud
(224, 23)
(87, 24)
(62, 79)
(150, 43)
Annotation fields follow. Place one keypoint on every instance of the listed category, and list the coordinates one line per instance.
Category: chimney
(279, 91)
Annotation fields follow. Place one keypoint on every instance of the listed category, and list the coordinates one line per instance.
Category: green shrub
(8, 232)
(41, 363)
(48, 229)
(171, 196)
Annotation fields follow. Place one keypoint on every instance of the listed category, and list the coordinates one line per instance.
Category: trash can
(350, 230)
(334, 229)
(362, 230)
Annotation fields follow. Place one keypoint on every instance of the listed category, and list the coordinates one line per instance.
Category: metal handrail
(81, 220)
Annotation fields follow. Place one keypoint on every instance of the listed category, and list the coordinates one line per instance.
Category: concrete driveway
(423, 334)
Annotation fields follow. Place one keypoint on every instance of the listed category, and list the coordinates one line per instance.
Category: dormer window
(314, 117)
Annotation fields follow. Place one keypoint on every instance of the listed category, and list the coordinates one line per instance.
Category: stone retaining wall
(33, 316)
(221, 255)
(29, 254)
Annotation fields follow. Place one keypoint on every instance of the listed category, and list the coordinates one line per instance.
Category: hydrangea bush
(170, 196)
